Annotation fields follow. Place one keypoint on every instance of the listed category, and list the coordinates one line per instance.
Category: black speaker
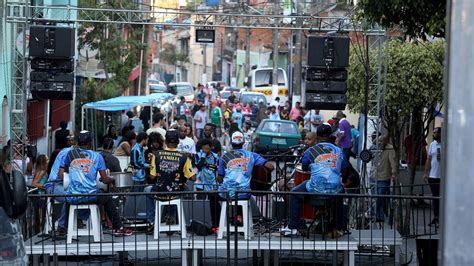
(51, 42)
(326, 101)
(205, 35)
(330, 52)
(57, 90)
(326, 86)
(51, 77)
(66, 65)
(318, 73)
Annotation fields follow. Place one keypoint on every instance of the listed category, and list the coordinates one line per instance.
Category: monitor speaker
(328, 51)
(326, 86)
(326, 101)
(51, 42)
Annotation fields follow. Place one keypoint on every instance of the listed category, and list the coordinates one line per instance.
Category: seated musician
(235, 168)
(325, 161)
(171, 169)
(83, 165)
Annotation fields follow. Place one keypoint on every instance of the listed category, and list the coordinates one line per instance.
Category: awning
(127, 102)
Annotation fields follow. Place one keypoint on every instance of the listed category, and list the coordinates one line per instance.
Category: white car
(182, 89)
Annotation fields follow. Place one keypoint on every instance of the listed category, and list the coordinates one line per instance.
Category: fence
(365, 241)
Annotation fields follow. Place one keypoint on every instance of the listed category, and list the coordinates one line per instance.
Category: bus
(261, 79)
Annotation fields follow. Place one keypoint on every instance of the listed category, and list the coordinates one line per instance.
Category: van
(261, 80)
(182, 89)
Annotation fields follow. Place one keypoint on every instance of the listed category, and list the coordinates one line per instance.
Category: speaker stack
(52, 62)
(326, 73)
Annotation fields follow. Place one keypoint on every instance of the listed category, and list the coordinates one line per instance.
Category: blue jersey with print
(236, 168)
(83, 169)
(53, 175)
(206, 175)
(325, 162)
(237, 118)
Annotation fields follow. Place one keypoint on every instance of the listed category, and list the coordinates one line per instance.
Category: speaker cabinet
(41, 90)
(65, 65)
(315, 73)
(51, 42)
(332, 52)
(326, 86)
(325, 101)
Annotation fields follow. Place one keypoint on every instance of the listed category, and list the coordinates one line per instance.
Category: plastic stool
(93, 226)
(247, 227)
(163, 227)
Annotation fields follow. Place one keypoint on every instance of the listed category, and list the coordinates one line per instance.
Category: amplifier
(326, 86)
(66, 65)
(326, 101)
(328, 51)
(51, 90)
(51, 42)
(314, 73)
(51, 77)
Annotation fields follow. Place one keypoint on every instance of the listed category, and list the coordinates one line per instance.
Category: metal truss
(72, 14)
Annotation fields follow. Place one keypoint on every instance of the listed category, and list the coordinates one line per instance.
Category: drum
(261, 179)
(122, 179)
(300, 177)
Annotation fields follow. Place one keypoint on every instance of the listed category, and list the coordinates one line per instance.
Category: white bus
(261, 79)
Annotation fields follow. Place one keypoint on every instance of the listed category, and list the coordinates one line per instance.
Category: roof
(127, 102)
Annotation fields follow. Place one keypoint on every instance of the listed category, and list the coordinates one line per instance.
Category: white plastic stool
(93, 226)
(163, 227)
(246, 228)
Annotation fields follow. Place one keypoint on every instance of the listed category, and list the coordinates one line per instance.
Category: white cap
(237, 138)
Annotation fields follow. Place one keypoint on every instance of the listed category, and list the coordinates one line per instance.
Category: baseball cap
(324, 130)
(237, 138)
(85, 137)
(172, 136)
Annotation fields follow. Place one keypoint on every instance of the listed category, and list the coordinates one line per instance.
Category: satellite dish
(87, 52)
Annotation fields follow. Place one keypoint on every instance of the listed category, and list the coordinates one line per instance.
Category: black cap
(324, 130)
(172, 136)
(84, 138)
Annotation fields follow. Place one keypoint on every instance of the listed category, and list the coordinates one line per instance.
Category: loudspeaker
(326, 101)
(51, 90)
(205, 35)
(326, 86)
(315, 73)
(51, 42)
(331, 52)
(51, 77)
(66, 65)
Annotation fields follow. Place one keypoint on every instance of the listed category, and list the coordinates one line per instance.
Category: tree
(416, 18)
(171, 56)
(414, 87)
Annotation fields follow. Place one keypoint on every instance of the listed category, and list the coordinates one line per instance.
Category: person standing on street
(61, 135)
(216, 145)
(201, 118)
(273, 113)
(137, 159)
(344, 137)
(432, 174)
(158, 119)
(186, 144)
(216, 119)
(180, 108)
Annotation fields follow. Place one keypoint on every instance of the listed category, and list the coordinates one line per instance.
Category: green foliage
(118, 45)
(417, 18)
(414, 77)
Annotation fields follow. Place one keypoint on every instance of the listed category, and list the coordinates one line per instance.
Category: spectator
(155, 144)
(262, 112)
(111, 162)
(61, 135)
(232, 97)
(125, 147)
(216, 145)
(273, 113)
(276, 103)
(238, 118)
(285, 115)
(216, 119)
(296, 112)
(180, 108)
(197, 107)
(201, 118)
(157, 125)
(344, 138)
(432, 173)
(312, 120)
(186, 144)
(137, 159)
(41, 175)
(228, 117)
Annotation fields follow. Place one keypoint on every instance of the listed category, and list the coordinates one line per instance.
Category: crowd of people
(207, 144)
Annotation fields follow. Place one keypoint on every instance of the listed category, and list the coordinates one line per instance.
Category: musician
(235, 168)
(171, 169)
(111, 162)
(83, 165)
(325, 161)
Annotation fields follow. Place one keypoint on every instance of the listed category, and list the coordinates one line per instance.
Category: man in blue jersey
(83, 165)
(325, 161)
(235, 168)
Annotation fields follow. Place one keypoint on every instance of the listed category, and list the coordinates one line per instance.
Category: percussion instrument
(300, 177)
(122, 179)
(261, 179)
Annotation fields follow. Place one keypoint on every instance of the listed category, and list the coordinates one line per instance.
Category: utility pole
(297, 56)
(276, 41)
(247, 47)
(204, 63)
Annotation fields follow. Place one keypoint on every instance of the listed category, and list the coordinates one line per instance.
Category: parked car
(182, 89)
(224, 95)
(254, 97)
(156, 88)
(234, 89)
(273, 135)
